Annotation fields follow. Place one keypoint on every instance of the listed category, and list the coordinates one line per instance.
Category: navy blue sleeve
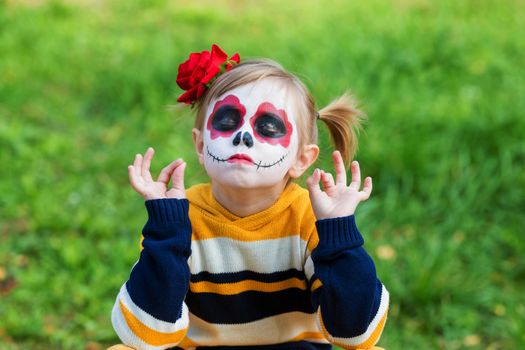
(159, 280)
(352, 301)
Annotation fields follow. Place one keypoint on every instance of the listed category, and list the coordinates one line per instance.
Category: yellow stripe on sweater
(149, 335)
(317, 283)
(367, 344)
(204, 227)
(244, 286)
(374, 337)
(187, 343)
(308, 335)
(290, 215)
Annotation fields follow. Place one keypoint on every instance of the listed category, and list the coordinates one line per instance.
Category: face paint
(271, 125)
(226, 118)
(250, 138)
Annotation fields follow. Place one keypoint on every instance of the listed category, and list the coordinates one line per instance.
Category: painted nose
(246, 139)
(237, 139)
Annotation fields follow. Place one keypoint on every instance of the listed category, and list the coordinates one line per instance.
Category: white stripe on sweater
(309, 268)
(224, 255)
(149, 320)
(126, 335)
(270, 330)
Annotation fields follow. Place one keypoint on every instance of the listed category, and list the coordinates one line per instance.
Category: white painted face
(250, 135)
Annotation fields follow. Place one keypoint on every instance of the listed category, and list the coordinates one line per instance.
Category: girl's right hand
(141, 180)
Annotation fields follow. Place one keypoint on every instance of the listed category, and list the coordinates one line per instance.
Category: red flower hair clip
(198, 72)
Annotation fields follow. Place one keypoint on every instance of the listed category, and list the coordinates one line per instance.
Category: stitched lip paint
(240, 158)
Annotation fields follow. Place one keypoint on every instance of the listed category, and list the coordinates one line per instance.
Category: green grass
(84, 87)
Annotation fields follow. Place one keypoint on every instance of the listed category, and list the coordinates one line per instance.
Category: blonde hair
(341, 116)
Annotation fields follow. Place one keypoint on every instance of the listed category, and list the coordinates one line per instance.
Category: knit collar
(201, 198)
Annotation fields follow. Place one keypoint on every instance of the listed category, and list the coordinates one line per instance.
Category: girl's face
(250, 135)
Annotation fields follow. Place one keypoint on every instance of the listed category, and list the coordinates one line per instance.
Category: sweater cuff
(166, 211)
(339, 232)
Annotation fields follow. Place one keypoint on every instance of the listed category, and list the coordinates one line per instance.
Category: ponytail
(343, 120)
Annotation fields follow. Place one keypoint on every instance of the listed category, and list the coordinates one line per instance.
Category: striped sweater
(277, 279)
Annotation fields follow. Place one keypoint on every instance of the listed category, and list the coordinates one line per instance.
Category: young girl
(252, 260)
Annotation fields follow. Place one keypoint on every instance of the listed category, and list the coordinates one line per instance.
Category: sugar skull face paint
(250, 136)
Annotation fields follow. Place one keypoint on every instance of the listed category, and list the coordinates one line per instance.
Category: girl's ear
(305, 158)
(199, 144)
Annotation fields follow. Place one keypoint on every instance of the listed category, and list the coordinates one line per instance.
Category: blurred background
(85, 85)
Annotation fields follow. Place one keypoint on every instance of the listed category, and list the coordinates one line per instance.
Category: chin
(245, 177)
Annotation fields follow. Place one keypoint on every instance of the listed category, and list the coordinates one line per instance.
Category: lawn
(84, 85)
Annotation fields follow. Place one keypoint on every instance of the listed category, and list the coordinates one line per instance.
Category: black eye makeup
(226, 118)
(269, 125)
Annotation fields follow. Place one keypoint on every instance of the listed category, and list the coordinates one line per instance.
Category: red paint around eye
(228, 100)
(267, 107)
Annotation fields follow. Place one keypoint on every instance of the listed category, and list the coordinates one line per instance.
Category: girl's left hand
(336, 199)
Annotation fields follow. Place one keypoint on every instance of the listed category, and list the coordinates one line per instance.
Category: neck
(247, 201)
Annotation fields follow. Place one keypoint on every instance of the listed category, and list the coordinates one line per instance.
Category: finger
(133, 178)
(165, 173)
(137, 164)
(356, 176)
(340, 171)
(367, 189)
(147, 163)
(312, 183)
(327, 179)
(177, 176)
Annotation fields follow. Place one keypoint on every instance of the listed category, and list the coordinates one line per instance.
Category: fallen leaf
(472, 340)
(7, 285)
(386, 252)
